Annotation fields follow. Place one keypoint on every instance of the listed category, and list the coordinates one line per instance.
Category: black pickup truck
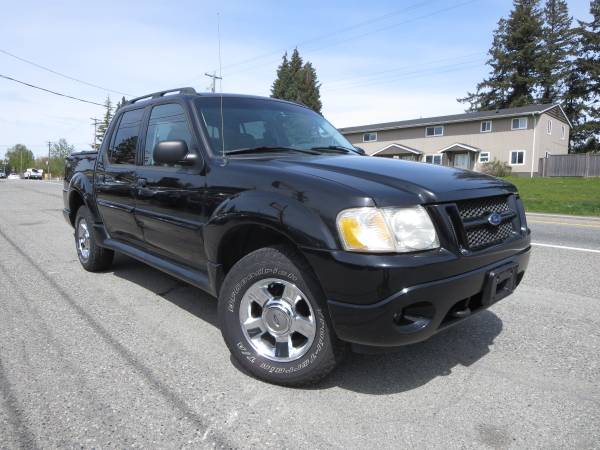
(308, 245)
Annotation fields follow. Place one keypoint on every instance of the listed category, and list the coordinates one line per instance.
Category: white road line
(564, 247)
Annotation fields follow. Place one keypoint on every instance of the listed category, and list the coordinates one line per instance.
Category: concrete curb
(564, 216)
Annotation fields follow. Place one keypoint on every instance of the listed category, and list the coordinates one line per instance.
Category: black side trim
(192, 225)
(120, 206)
(193, 277)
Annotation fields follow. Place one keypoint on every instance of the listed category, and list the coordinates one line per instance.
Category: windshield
(253, 123)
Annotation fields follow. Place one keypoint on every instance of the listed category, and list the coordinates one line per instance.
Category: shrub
(496, 168)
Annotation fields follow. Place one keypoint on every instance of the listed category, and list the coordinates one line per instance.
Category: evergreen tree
(281, 83)
(297, 81)
(514, 59)
(120, 103)
(589, 65)
(557, 46)
(308, 92)
(103, 125)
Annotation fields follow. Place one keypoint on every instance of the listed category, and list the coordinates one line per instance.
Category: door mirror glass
(171, 152)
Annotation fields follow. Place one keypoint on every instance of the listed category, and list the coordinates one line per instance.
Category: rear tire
(274, 319)
(92, 257)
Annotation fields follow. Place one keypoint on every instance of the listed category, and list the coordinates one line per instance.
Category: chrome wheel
(83, 240)
(277, 320)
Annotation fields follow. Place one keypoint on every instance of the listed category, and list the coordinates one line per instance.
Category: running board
(193, 277)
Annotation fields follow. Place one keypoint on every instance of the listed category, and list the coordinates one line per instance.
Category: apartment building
(518, 136)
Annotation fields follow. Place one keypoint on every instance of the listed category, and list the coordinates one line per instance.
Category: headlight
(387, 230)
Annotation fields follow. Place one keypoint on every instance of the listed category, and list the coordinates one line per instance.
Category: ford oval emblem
(494, 219)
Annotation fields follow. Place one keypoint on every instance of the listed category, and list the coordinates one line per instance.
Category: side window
(124, 142)
(167, 123)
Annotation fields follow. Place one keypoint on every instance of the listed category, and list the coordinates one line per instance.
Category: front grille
(478, 232)
(470, 209)
(486, 235)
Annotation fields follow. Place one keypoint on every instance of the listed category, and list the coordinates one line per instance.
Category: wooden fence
(573, 165)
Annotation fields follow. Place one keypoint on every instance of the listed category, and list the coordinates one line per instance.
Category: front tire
(92, 257)
(274, 319)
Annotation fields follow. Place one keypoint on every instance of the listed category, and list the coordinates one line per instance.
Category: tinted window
(124, 142)
(167, 123)
(250, 122)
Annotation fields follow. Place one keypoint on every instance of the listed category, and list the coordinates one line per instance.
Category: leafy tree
(103, 125)
(297, 81)
(20, 158)
(557, 46)
(58, 152)
(514, 60)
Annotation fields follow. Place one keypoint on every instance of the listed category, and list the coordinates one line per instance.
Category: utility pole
(48, 164)
(96, 122)
(214, 79)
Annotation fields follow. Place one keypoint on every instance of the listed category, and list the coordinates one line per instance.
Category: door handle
(141, 182)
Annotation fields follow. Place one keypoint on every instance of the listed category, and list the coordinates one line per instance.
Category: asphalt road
(134, 358)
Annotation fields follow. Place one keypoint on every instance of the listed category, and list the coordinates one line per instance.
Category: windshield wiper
(335, 148)
(269, 149)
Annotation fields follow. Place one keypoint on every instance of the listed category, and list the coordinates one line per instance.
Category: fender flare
(81, 185)
(282, 214)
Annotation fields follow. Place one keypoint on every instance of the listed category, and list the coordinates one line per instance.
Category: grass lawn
(577, 196)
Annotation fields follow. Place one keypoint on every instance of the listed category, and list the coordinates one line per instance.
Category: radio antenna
(221, 85)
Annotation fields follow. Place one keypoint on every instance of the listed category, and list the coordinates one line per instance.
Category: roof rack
(183, 90)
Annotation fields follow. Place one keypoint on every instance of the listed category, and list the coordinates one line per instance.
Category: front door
(462, 160)
(169, 204)
(115, 179)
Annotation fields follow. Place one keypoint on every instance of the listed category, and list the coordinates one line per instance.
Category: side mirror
(172, 152)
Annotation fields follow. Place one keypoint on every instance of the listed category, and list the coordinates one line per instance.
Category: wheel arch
(80, 193)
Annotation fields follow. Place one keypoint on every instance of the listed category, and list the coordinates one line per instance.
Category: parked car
(14, 176)
(2, 174)
(309, 247)
(33, 174)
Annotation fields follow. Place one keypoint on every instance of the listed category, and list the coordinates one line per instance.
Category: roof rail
(183, 90)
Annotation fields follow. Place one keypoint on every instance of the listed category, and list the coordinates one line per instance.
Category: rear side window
(124, 142)
(167, 123)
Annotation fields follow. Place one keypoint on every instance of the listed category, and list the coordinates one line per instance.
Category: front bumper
(415, 296)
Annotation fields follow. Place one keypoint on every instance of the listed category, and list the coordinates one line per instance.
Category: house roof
(466, 117)
(458, 146)
(403, 148)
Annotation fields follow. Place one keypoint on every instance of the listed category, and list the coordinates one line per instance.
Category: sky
(377, 61)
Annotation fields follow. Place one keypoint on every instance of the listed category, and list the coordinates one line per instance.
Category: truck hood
(392, 182)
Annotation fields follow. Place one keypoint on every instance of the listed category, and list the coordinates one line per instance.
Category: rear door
(170, 198)
(116, 179)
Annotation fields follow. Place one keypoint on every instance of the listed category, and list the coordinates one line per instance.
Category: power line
(401, 69)
(68, 77)
(49, 91)
(408, 75)
(333, 33)
(367, 33)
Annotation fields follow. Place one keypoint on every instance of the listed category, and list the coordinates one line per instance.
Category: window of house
(167, 123)
(563, 132)
(484, 157)
(486, 126)
(124, 142)
(519, 123)
(370, 137)
(434, 131)
(549, 127)
(517, 157)
(433, 159)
